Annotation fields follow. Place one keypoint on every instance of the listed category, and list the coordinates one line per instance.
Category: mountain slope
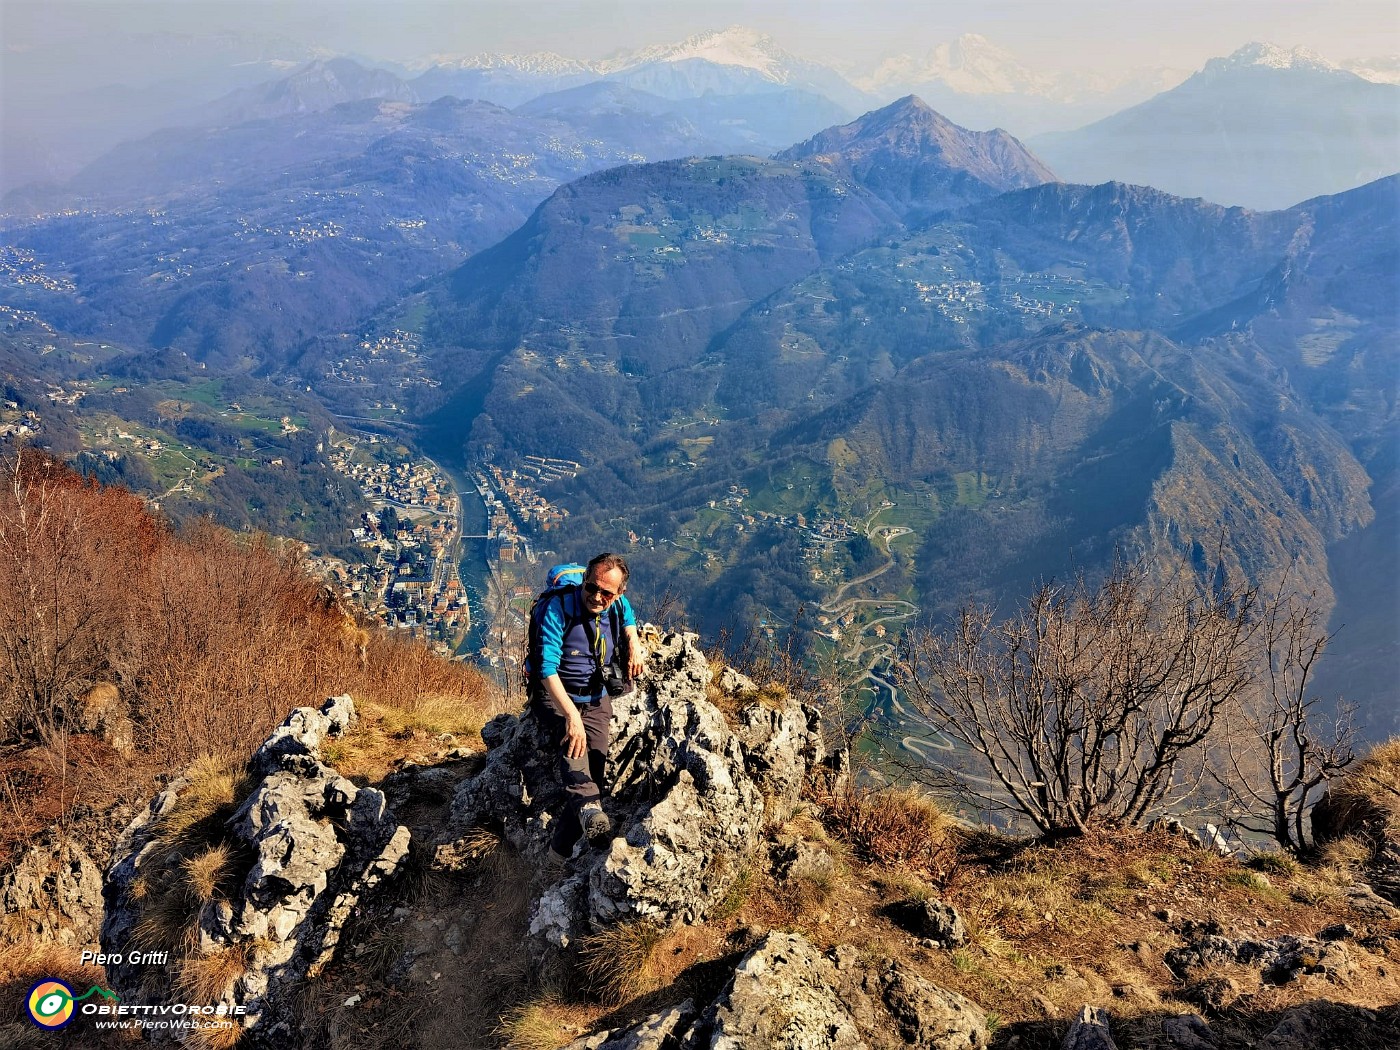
(239, 244)
(1025, 386)
(1263, 128)
(921, 163)
(633, 271)
(315, 87)
(1096, 441)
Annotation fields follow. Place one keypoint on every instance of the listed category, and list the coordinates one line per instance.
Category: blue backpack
(560, 580)
(568, 574)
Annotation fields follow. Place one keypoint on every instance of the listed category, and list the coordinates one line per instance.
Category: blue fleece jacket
(570, 657)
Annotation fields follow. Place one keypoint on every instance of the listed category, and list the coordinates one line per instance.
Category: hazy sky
(1045, 34)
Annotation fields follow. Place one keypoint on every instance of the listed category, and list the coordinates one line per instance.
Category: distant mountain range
(238, 244)
(1037, 378)
(51, 129)
(899, 319)
(980, 85)
(1289, 135)
(1263, 128)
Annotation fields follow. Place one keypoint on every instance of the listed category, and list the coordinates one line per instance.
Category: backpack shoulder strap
(538, 607)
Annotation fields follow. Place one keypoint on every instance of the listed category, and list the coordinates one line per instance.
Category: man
(572, 682)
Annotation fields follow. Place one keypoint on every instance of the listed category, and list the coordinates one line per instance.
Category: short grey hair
(604, 562)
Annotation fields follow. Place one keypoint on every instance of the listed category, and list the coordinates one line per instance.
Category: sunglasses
(593, 588)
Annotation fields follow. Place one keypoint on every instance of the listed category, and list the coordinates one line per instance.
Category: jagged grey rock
(932, 919)
(54, 892)
(791, 858)
(317, 844)
(1090, 1031)
(734, 682)
(1315, 1026)
(1211, 837)
(658, 1032)
(783, 994)
(1205, 953)
(104, 712)
(1367, 902)
(686, 794)
(1279, 960)
(1189, 1032)
(1212, 994)
(1383, 872)
(924, 1014)
(787, 995)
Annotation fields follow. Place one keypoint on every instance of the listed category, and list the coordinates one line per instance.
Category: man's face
(601, 589)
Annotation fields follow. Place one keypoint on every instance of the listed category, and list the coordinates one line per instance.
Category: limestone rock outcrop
(315, 845)
(1279, 959)
(1090, 1031)
(787, 994)
(932, 920)
(687, 793)
(54, 892)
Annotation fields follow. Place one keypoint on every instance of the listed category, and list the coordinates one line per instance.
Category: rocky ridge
(710, 778)
(316, 844)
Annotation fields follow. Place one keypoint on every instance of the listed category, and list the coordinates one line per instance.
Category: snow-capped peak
(1383, 69)
(735, 46)
(970, 65)
(537, 63)
(1271, 56)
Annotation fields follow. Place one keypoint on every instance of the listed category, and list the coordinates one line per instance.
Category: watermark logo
(51, 1002)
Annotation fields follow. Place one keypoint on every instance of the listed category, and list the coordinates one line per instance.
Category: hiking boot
(554, 859)
(596, 824)
(552, 867)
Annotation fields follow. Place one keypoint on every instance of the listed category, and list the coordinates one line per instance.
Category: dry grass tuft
(546, 1023)
(1345, 857)
(1364, 804)
(193, 863)
(773, 694)
(385, 734)
(379, 954)
(894, 827)
(210, 978)
(617, 961)
(213, 792)
(169, 920)
(215, 1035)
(207, 873)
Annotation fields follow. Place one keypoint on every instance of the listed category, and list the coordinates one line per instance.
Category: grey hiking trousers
(581, 778)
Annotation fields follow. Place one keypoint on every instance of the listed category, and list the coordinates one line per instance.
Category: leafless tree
(65, 547)
(1278, 749)
(1090, 705)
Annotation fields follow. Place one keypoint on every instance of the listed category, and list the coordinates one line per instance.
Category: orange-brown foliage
(210, 638)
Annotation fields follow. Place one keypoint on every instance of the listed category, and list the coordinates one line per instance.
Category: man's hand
(636, 652)
(575, 740)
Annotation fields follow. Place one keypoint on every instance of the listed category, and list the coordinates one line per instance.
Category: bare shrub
(66, 550)
(1089, 705)
(211, 637)
(1275, 752)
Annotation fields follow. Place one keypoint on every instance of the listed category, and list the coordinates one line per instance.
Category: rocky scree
(687, 793)
(317, 845)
